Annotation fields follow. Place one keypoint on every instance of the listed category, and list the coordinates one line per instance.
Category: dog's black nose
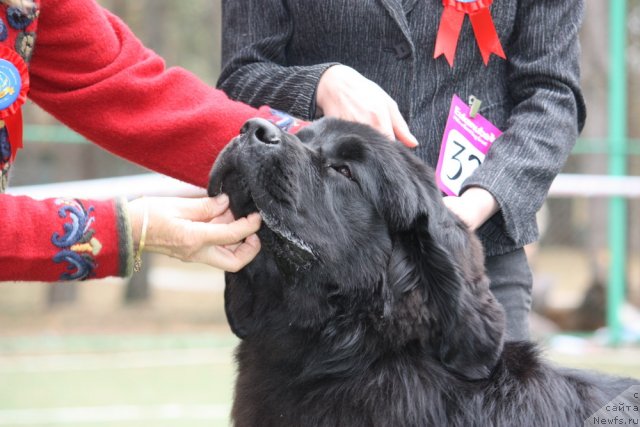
(261, 130)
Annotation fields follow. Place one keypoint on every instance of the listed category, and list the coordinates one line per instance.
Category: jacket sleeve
(63, 239)
(255, 70)
(549, 111)
(90, 72)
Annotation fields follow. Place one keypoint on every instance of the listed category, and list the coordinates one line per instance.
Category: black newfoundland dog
(356, 313)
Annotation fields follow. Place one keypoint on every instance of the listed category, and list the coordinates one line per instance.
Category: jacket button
(402, 50)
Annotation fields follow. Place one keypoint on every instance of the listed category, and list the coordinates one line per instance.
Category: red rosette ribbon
(14, 86)
(483, 28)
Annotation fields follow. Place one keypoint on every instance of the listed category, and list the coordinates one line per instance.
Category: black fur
(368, 305)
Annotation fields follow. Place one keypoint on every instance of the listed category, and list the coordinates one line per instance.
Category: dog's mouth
(284, 233)
(273, 223)
(276, 236)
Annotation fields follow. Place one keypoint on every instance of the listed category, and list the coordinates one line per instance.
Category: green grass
(199, 384)
(142, 381)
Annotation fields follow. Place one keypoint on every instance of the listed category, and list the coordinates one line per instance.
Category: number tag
(465, 144)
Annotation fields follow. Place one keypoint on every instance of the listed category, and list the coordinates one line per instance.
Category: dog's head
(354, 227)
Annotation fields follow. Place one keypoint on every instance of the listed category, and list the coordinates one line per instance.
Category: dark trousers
(511, 283)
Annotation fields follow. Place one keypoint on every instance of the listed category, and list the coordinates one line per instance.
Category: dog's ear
(404, 188)
(238, 303)
(469, 321)
(249, 294)
(449, 263)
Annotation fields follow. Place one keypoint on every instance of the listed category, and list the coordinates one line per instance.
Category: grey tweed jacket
(274, 52)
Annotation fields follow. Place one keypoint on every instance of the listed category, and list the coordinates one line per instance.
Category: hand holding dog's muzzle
(196, 230)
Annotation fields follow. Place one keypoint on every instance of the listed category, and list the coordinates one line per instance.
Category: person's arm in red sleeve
(63, 239)
(67, 239)
(93, 74)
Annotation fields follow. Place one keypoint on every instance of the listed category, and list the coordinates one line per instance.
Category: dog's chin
(290, 252)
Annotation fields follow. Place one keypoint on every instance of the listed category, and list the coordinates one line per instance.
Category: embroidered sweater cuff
(125, 239)
(63, 239)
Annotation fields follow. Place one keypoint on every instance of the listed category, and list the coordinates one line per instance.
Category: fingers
(344, 93)
(380, 120)
(194, 209)
(227, 234)
(390, 122)
(457, 206)
(224, 218)
(452, 203)
(197, 230)
(232, 258)
(243, 254)
(401, 128)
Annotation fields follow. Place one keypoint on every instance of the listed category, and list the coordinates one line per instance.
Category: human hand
(344, 93)
(474, 207)
(196, 230)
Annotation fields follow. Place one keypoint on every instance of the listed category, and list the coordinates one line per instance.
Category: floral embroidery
(24, 45)
(4, 33)
(19, 19)
(5, 155)
(78, 244)
(5, 146)
(4, 176)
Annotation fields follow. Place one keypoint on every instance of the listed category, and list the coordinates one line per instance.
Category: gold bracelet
(137, 260)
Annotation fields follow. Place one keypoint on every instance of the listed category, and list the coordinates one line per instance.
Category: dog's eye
(343, 170)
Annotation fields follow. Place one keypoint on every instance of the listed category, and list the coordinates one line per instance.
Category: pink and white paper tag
(465, 144)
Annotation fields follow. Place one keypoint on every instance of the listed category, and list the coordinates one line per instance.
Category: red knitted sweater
(89, 71)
